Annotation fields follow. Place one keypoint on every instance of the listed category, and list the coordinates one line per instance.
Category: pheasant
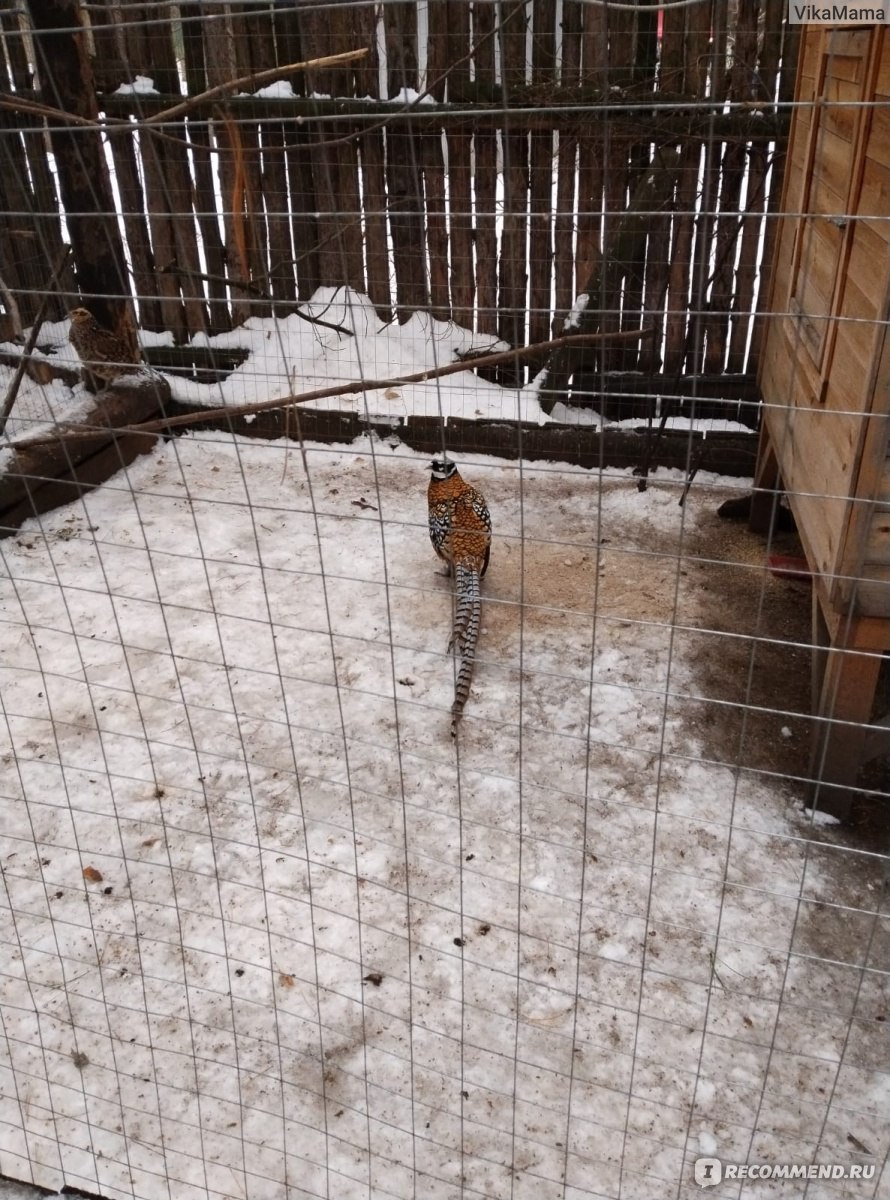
(104, 355)
(460, 530)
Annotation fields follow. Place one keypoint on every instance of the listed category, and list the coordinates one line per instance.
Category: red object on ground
(788, 566)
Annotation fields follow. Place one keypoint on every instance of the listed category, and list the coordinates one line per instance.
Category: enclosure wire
(746, 709)
(81, 852)
(818, 768)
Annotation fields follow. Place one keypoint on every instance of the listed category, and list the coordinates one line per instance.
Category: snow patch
(142, 85)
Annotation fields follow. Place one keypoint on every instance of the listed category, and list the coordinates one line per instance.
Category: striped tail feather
(466, 602)
(466, 634)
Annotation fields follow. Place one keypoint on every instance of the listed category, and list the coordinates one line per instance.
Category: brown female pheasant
(104, 355)
(460, 530)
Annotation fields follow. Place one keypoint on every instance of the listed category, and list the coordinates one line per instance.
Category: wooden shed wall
(824, 370)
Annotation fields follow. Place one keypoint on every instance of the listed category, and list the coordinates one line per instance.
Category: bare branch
(538, 349)
(256, 77)
(33, 108)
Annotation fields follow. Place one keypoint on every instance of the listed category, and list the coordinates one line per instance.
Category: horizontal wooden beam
(661, 116)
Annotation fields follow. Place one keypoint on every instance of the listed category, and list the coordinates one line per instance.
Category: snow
(573, 320)
(281, 89)
(290, 355)
(141, 86)
(268, 932)
(817, 817)
(38, 407)
(409, 95)
(148, 338)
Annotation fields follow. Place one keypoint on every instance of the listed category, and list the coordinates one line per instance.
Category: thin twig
(74, 432)
(13, 389)
(246, 285)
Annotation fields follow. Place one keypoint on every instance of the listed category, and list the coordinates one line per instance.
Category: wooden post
(766, 483)
(844, 690)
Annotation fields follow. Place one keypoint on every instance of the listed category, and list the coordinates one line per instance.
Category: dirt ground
(749, 631)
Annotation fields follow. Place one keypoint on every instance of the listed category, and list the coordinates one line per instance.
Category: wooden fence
(487, 161)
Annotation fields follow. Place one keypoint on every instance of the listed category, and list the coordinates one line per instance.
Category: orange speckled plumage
(460, 524)
(460, 530)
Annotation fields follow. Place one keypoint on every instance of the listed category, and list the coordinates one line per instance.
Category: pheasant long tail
(466, 634)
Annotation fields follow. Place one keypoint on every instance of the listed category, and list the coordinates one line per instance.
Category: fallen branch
(73, 432)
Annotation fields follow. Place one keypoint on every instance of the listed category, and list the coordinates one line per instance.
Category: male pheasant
(104, 355)
(460, 530)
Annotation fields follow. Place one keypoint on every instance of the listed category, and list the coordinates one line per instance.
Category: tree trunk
(62, 62)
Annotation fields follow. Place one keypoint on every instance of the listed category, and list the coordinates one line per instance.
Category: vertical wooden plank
(221, 65)
(645, 53)
(764, 86)
(438, 49)
(485, 145)
(436, 223)
(198, 133)
(270, 226)
(23, 264)
(567, 205)
(791, 43)
(84, 183)
(657, 268)
(163, 240)
(352, 256)
(41, 243)
(404, 173)
(148, 50)
(727, 227)
(512, 264)
(513, 258)
(461, 228)
(404, 167)
(609, 297)
(110, 58)
(594, 75)
(703, 226)
(458, 61)
(699, 65)
(134, 207)
(249, 33)
(622, 27)
(376, 232)
(400, 31)
(670, 76)
(742, 302)
(698, 33)
(544, 77)
(23, 258)
(564, 229)
(302, 201)
(512, 41)
(726, 235)
(681, 260)
(404, 155)
(373, 166)
(282, 284)
(459, 144)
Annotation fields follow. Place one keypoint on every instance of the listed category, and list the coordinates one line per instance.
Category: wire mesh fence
(268, 928)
